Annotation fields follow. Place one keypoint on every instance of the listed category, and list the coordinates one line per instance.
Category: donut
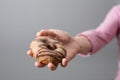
(47, 50)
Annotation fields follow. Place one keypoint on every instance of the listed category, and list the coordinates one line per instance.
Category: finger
(64, 62)
(51, 66)
(38, 64)
(30, 53)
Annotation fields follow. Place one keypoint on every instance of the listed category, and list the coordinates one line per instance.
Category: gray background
(21, 19)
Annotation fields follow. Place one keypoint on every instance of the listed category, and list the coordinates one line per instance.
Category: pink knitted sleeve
(102, 35)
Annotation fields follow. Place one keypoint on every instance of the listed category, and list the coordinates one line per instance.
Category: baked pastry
(47, 50)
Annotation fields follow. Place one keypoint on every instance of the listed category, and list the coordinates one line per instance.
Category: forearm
(93, 40)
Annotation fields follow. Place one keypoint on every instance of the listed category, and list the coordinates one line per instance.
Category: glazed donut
(46, 50)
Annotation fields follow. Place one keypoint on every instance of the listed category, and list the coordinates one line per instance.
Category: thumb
(46, 33)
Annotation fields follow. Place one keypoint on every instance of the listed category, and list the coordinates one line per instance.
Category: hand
(71, 46)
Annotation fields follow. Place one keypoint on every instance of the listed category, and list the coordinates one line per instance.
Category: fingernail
(38, 33)
(64, 63)
(30, 53)
(51, 66)
(36, 64)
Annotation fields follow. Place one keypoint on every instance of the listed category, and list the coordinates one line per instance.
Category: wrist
(76, 42)
(83, 44)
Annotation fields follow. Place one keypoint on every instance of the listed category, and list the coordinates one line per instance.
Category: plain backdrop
(21, 19)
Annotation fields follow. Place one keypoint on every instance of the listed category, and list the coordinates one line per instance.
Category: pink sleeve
(102, 35)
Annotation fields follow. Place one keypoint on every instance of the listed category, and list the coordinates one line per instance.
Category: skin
(71, 45)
